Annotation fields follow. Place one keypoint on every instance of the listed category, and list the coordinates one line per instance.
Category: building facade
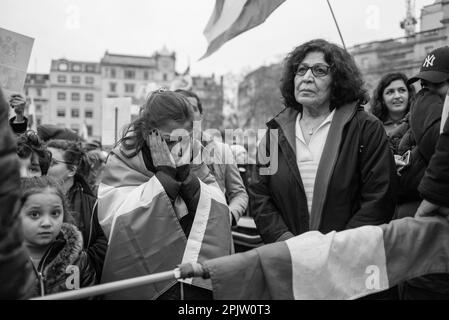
(405, 54)
(210, 91)
(37, 90)
(134, 76)
(72, 94)
(259, 97)
(75, 96)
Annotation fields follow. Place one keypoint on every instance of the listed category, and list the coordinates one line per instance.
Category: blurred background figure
(53, 132)
(16, 271)
(33, 155)
(18, 123)
(220, 160)
(70, 166)
(391, 100)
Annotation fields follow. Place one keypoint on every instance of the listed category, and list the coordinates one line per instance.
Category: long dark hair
(378, 106)
(160, 107)
(347, 82)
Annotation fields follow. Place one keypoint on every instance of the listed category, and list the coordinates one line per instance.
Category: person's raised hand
(160, 153)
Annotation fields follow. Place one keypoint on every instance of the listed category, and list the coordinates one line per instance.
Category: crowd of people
(75, 215)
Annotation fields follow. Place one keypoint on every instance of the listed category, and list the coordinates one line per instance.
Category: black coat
(84, 210)
(355, 183)
(421, 139)
(16, 271)
(434, 186)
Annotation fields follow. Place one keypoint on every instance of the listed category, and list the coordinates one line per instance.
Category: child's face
(42, 215)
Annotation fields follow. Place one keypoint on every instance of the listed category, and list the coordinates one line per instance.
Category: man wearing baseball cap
(434, 73)
(425, 118)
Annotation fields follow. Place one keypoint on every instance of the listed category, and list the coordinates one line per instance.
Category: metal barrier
(184, 271)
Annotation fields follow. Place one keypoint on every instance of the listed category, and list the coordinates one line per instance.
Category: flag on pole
(339, 265)
(84, 132)
(32, 115)
(233, 17)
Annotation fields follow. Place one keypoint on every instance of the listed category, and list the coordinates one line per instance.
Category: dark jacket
(434, 186)
(84, 211)
(64, 266)
(16, 272)
(425, 118)
(355, 182)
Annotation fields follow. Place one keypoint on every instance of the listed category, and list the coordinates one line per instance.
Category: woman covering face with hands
(159, 207)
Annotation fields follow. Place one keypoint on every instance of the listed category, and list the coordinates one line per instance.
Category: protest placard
(15, 52)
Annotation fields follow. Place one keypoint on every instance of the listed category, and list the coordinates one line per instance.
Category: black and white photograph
(224, 154)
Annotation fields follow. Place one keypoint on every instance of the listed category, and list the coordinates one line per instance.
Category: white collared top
(308, 155)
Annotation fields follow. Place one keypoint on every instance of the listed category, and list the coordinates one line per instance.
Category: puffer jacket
(65, 265)
(16, 272)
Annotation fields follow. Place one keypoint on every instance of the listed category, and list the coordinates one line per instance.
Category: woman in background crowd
(391, 100)
(68, 161)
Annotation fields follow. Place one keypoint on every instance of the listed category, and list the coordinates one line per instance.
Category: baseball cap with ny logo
(435, 67)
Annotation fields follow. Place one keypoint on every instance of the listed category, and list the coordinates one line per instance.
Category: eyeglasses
(54, 162)
(319, 70)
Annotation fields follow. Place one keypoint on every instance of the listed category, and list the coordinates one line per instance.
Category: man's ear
(72, 170)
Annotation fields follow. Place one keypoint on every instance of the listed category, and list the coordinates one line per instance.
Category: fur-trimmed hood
(66, 250)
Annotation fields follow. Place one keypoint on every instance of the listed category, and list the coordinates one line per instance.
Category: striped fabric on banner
(233, 17)
(339, 265)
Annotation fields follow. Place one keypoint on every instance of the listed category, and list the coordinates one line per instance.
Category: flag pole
(336, 23)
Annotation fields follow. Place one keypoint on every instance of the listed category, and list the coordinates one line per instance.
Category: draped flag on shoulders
(339, 265)
(233, 17)
(143, 228)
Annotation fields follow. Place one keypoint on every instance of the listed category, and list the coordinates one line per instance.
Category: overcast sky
(85, 29)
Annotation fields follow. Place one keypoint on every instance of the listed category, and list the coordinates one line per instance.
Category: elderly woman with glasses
(333, 168)
(158, 206)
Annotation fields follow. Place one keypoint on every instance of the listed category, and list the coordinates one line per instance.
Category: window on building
(60, 113)
(76, 79)
(75, 113)
(39, 92)
(90, 68)
(62, 79)
(112, 86)
(89, 97)
(89, 130)
(130, 74)
(165, 77)
(61, 95)
(145, 75)
(113, 74)
(129, 87)
(38, 108)
(90, 80)
(38, 121)
(88, 114)
(76, 67)
(75, 96)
